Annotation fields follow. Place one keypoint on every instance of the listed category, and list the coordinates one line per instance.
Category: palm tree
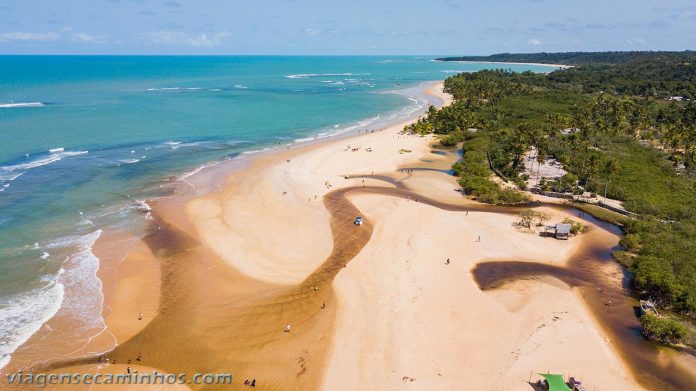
(541, 156)
(610, 168)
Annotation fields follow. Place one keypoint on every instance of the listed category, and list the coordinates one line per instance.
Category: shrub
(575, 227)
(663, 329)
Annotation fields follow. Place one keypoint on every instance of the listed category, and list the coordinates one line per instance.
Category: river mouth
(212, 319)
(604, 286)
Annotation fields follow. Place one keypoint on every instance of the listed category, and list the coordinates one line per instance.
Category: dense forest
(648, 74)
(574, 58)
(611, 135)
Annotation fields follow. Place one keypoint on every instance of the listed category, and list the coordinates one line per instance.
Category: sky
(313, 27)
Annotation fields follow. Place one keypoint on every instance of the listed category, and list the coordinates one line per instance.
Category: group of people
(250, 383)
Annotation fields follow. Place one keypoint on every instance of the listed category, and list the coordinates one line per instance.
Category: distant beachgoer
(467, 212)
(287, 328)
(479, 238)
(246, 382)
(140, 356)
(253, 383)
(129, 361)
(447, 262)
(316, 288)
(140, 316)
(128, 370)
(323, 305)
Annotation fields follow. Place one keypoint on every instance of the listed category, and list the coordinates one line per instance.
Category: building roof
(562, 228)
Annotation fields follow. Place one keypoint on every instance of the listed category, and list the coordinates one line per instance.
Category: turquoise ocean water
(84, 140)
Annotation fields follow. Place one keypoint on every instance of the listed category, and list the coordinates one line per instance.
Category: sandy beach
(223, 271)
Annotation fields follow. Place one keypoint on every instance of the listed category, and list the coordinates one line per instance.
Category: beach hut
(562, 231)
(558, 231)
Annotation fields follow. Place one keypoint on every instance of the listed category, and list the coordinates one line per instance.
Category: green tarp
(556, 382)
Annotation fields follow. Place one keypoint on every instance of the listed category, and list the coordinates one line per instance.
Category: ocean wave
(13, 105)
(240, 86)
(253, 151)
(54, 150)
(155, 89)
(128, 161)
(310, 75)
(8, 177)
(182, 144)
(22, 315)
(83, 300)
(52, 158)
(141, 206)
(197, 170)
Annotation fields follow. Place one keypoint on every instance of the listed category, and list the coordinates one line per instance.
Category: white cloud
(534, 42)
(183, 39)
(88, 38)
(311, 31)
(18, 36)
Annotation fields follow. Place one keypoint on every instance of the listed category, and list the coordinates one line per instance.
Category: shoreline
(110, 259)
(227, 223)
(515, 63)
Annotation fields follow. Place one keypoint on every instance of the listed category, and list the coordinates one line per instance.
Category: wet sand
(216, 311)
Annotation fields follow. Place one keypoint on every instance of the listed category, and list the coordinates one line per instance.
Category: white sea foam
(253, 151)
(8, 171)
(197, 170)
(129, 161)
(240, 86)
(180, 144)
(141, 206)
(176, 89)
(310, 75)
(13, 105)
(22, 315)
(83, 288)
(54, 150)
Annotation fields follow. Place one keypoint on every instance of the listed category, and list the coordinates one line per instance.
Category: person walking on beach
(287, 328)
(447, 262)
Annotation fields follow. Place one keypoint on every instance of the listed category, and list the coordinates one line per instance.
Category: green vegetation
(655, 74)
(663, 329)
(528, 217)
(612, 129)
(601, 213)
(575, 226)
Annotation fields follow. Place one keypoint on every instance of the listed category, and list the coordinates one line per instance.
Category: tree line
(615, 138)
